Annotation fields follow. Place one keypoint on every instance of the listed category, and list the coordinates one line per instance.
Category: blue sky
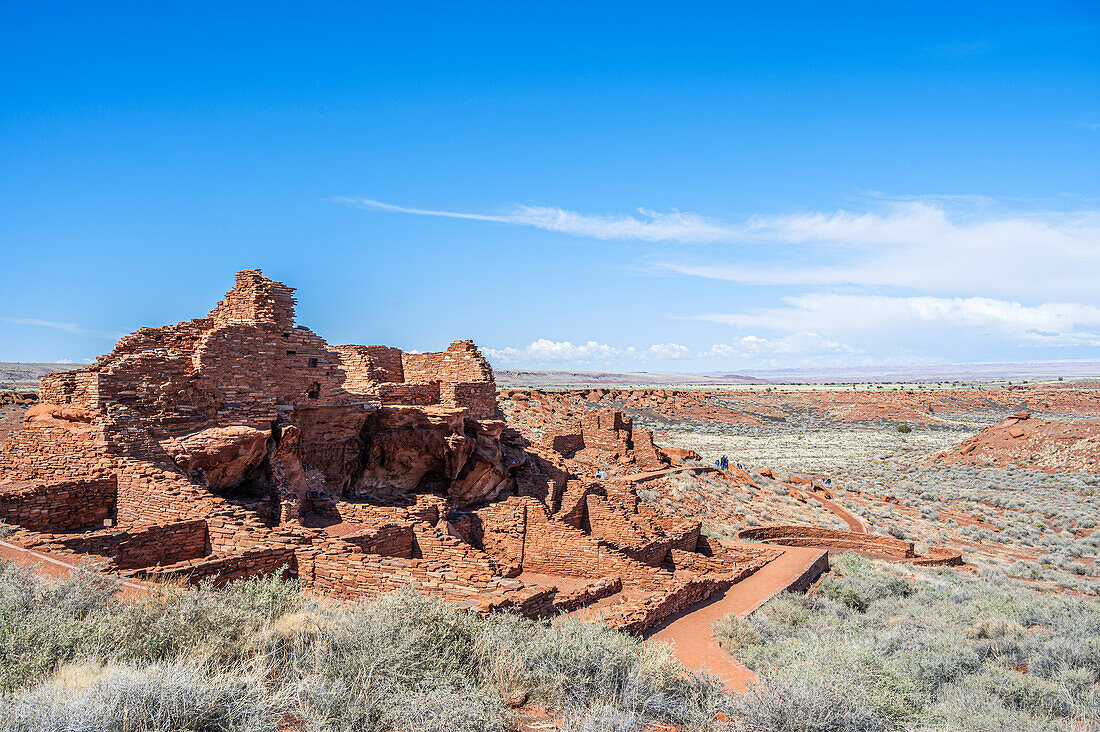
(677, 187)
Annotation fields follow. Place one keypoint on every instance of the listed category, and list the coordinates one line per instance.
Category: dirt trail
(690, 633)
(854, 524)
(55, 568)
(641, 477)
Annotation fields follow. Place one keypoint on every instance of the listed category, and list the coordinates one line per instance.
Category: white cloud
(944, 245)
(547, 351)
(667, 350)
(795, 344)
(73, 328)
(648, 225)
(925, 246)
(1051, 323)
(544, 352)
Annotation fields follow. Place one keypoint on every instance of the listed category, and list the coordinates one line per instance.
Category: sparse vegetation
(889, 647)
(242, 658)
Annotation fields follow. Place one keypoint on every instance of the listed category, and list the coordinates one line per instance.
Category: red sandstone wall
(461, 362)
(257, 299)
(413, 395)
(143, 547)
(389, 540)
(59, 506)
(837, 538)
(226, 569)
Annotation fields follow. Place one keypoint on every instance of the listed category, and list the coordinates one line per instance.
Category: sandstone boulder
(678, 456)
(434, 449)
(225, 456)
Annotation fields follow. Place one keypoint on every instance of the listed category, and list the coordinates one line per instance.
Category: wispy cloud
(945, 245)
(922, 245)
(72, 328)
(647, 225)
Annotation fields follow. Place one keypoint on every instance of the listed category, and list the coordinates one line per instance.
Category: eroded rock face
(409, 450)
(226, 456)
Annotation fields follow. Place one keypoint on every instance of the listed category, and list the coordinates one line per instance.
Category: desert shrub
(734, 633)
(876, 648)
(156, 698)
(904, 429)
(43, 625)
(403, 662)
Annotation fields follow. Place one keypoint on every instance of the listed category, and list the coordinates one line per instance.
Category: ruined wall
(498, 530)
(479, 397)
(564, 444)
(413, 395)
(829, 538)
(461, 362)
(145, 546)
(59, 506)
(226, 569)
(607, 430)
(368, 366)
(339, 569)
(256, 299)
(389, 540)
(551, 547)
(645, 452)
(55, 453)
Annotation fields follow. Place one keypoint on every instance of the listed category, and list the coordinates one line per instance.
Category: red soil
(1049, 445)
(690, 632)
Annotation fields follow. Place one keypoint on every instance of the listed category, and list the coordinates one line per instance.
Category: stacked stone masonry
(240, 444)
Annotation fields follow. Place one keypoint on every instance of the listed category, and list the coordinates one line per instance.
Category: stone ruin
(240, 444)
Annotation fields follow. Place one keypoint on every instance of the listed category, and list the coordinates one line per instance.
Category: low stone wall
(227, 568)
(566, 602)
(145, 546)
(939, 556)
(58, 507)
(479, 397)
(389, 540)
(654, 610)
(830, 538)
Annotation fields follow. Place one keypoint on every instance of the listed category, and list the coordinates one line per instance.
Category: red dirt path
(690, 632)
(854, 524)
(641, 477)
